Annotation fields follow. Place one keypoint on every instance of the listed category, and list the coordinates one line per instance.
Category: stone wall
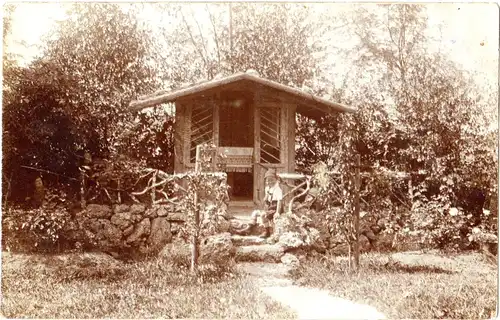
(129, 230)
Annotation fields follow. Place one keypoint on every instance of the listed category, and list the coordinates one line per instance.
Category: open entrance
(241, 184)
(237, 136)
(235, 121)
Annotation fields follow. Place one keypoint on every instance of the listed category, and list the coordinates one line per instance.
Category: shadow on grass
(381, 266)
(404, 268)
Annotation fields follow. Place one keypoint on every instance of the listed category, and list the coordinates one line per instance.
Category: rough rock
(247, 240)
(263, 253)
(103, 232)
(290, 240)
(175, 227)
(239, 227)
(176, 216)
(98, 211)
(315, 240)
(160, 233)
(111, 233)
(162, 211)
(137, 208)
(122, 220)
(217, 249)
(137, 217)
(364, 244)
(223, 225)
(119, 208)
(151, 213)
(128, 231)
(297, 232)
(290, 260)
(142, 229)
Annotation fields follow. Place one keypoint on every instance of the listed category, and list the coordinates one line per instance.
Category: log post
(119, 193)
(83, 203)
(195, 253)
(153, 190)
(357, 181)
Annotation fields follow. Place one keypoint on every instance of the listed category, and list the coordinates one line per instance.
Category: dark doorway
(235, 122)
(241, 184)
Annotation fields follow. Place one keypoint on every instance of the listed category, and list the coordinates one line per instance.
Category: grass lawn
(96, 286)
(411, 285)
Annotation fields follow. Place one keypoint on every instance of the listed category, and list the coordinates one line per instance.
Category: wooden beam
(257, 184)
(291, 137)
(187, 133)
(283, 127)
(215, 105)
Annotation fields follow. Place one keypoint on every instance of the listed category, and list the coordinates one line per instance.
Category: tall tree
(105, 53)
(75, 97)
(276, 40)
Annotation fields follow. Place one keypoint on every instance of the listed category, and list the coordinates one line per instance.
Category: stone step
(239, 240)
(238, 227)
(260, 253)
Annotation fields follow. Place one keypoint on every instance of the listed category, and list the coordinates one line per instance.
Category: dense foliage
(423, 130)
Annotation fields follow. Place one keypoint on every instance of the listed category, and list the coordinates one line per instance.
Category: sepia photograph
(249, 160)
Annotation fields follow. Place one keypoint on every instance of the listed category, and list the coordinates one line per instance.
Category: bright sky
(470, 31)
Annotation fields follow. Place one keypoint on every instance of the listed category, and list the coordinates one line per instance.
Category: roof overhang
(306, 102)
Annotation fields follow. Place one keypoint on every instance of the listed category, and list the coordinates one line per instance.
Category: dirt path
(308, 303)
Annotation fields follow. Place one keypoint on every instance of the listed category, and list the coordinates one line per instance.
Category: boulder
(122, 220)
(137, 209)
(141, 230)
(290, 260)
(176, 216)
(217, 249)
(223, 225)
(111, 233)
(103, 233)
(137, 217)
(119, 208)
(163, 211)
(160, 233)
(315, 240)
(290, 240)
(294, 232)
(98, 211)
(247, 240)
(239, 227)
(260, 253)
(175, 227)
(151, 213)
(128, 231)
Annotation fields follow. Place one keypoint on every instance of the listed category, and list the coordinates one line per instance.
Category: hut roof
(307, 103)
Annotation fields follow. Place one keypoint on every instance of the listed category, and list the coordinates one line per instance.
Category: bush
(46, 229)
(33, 230)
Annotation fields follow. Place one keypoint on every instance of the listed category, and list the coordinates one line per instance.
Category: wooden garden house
(248, 118)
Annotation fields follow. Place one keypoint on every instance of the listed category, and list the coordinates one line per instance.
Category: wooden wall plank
(292, 127)
(257, 180)
(179, 139)
(187, 132)
(215, 101)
